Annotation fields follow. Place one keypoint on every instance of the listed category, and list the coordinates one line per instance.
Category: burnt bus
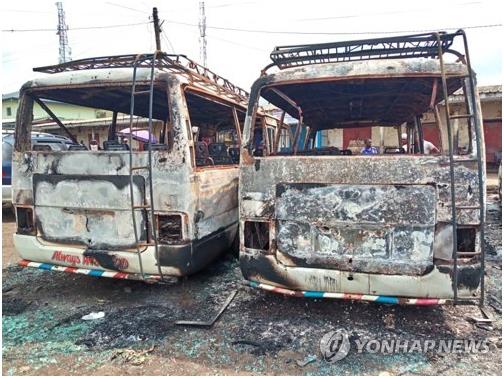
(355, 199)
(152, 191)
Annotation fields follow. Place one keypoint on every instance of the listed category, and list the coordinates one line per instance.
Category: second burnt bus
(320, 218)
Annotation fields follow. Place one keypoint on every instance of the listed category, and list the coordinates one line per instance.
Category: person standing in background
(369, 149)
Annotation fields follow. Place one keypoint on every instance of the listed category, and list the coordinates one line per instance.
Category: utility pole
(65, 53)
(202, 39)
(157, 28)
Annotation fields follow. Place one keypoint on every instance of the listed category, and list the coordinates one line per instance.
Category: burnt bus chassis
(197, 75)
(430, 45)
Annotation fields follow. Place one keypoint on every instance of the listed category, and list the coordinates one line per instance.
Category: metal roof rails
(179, 64)
(400, 47)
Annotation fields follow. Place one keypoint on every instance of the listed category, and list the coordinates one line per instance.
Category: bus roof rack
(176, 63)
(408, 46)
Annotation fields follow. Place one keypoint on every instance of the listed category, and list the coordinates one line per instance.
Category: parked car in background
(42, 141)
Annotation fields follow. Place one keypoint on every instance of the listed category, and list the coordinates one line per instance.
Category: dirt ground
(259, 333)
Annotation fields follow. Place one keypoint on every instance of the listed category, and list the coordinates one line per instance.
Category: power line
(385, 13)
(25, 11)
(333, 33)
(165, 36)
(238, 44)
(166, 11)
(78, 28)
(125, 7)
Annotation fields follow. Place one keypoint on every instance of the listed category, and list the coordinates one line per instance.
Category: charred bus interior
(216, 128)
(215, 125)
(336, 117)
(115, 102)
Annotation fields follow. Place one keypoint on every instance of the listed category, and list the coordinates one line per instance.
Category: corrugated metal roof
(487, 89)
(486, 93)
(484, 89)
(11, 95)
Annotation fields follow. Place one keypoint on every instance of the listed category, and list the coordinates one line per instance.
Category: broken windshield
(106, 109)
(351, 116)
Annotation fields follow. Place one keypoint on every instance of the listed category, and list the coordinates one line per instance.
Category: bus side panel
(217, 206)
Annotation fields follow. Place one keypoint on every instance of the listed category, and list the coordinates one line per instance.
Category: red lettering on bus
(62, 257)
(120, 263)
(90, 261)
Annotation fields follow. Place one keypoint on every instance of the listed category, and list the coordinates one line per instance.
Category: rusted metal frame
(470, 125)
(399, 137)
(279, 131)
(472, 88)
(237, 124)
(296, 134)
(291, 136)
(218, 90)
(192, 150)
(162, 133)
(250, 142)
(113, 127)
(417, 45)
(179, 64)
(394, 53)
(265, 135)
(54, 118)
(414, 137)
(456, 127)
(419, 126)
(24, 121)
(130, 140)
(205, 75)
(279, 93)
(329, 79)
(216, 317)
(452, 172)
(210, 75)
(417, 141)
(434, 93)
(408, 138)
(307, 138)
(151, 189)
(211, 96)
(300, 112)
(437, 118)
(382, 139)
